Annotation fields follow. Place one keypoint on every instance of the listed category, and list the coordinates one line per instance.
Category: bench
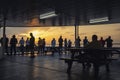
(70, 61)
(96, 66)
(97, 57)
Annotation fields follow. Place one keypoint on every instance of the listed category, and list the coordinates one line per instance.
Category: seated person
(94, 44)
(95, 54)
(93, 49)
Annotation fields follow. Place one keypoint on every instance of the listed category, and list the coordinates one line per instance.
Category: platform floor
(50, 68)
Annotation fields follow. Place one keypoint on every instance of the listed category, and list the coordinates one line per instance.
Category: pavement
(41, 67)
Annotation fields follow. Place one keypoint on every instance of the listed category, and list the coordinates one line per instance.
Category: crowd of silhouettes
(28, 45)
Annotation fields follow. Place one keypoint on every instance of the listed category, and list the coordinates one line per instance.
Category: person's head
(94, 37)
(85, 37)
(13, 36)
(60, 36)
(44, 39)
(101, 38)
(31, 34)
(40, 38)
(109, 37)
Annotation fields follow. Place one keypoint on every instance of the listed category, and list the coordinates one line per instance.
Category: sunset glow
(49, 33)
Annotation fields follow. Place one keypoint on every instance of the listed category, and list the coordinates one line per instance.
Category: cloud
(44, 28)
(72, 35)
(95, 32)
(83, 33)
(22, 35)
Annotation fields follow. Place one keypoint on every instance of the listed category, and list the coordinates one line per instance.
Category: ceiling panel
(70, 12)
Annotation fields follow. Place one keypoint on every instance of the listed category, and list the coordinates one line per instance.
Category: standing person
(32, 44)
(109, 42)
(40, 45)
(60, 41)
(13, 43)
(6, 43)
(85, 41)
(53, 44)
(69, 43)
(21, 42)
(44, 46)
(77, 42)
(65, 44)
(102, 41)
(27, 45)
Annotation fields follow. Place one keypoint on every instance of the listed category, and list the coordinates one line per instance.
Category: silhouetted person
(69, 43)
(27, 45)
(6, 43)
(40, 42)
(65, 44)
(94, 43)
(60, 41)
(102, 41)
(43, 46)
(77, 42)
(22, 42)
(97, 55)
(32, 44)
(53, 44)
(109, 42)
(85, 41)
(13, 43)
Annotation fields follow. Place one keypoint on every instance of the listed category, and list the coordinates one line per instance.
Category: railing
(49, 45)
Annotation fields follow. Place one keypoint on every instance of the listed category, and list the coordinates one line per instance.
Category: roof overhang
(69, 12)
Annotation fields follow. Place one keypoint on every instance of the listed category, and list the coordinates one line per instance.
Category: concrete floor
(50, 68)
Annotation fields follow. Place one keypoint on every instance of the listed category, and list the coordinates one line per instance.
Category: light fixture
(97, 20)
(48, 15)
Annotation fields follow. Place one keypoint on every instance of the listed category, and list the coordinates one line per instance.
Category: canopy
(22, 13)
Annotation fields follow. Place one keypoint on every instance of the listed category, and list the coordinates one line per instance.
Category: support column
(2, 48)
(76, 32)
(0, 45)
(4, 32)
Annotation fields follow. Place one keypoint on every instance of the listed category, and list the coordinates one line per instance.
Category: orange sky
(67, 32)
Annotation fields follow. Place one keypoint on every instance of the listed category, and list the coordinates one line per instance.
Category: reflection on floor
(47, 67)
